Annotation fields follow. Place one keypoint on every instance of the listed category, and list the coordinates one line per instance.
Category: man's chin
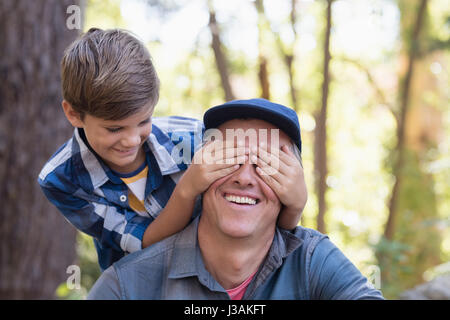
(237, 228)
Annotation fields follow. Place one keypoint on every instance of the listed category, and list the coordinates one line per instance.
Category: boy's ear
(73, 116)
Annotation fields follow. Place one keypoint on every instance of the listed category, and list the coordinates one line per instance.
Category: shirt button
(123, 198)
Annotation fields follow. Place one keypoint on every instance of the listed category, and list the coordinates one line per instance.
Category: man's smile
(241, 200)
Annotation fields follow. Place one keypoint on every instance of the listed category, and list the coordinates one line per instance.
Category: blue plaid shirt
(95, 200)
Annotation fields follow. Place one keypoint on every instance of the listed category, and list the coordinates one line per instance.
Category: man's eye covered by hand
(283, 173)
(222, 152)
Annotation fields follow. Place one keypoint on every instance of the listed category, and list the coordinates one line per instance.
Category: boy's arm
(173, 218)
(289, 217)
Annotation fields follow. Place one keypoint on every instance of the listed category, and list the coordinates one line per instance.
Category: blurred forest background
(369, 80)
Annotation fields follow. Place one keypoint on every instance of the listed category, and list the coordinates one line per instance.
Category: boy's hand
(213, 161)
(284, 174)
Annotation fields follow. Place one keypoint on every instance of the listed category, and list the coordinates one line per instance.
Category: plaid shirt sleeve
(117, 228)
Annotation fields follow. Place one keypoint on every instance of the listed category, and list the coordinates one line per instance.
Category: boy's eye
(113, 129)
(144, 122)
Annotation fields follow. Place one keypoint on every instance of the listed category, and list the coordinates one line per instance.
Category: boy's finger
(287, 156)
(213, 151)
(234, 151)
(222, 149)
(284, 153)
(266, 169)
(269, 179)
(272, 160)
(224, 172)
(233, 160)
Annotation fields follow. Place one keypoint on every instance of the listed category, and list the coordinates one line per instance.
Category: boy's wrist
(185, 190)
(289, 217)
(292, 210)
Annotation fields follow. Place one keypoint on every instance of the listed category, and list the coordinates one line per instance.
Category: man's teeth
(237, 199)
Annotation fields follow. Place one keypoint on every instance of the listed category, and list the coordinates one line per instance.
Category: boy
(116, 178)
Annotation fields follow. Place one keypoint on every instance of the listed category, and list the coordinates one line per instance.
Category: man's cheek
(269, 193)
(215, 184)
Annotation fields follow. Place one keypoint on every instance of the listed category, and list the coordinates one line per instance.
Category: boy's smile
(117, 142)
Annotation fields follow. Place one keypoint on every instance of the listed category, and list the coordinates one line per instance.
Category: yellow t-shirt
(136, 194)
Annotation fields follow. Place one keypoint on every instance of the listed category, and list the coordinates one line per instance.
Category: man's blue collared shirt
(95, 200)
(302, 265)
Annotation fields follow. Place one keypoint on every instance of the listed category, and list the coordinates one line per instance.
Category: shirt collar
(187, 260)
(162, 147)
(93, 165)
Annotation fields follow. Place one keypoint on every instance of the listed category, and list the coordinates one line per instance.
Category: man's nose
(245, 175)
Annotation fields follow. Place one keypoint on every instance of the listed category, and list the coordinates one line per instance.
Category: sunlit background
(369, 43)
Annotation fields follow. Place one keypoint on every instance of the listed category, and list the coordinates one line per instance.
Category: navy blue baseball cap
(280, 116)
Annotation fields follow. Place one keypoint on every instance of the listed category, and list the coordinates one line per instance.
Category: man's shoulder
(153, 256)
(309, 235)
(310, 240)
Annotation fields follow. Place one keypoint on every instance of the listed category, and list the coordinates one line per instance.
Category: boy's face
(118, 143)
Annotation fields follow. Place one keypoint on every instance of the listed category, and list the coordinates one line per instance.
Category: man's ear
(73, 116)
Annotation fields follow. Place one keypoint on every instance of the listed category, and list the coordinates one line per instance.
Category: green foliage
(104, 14)
(90, 270)
(394, 265)
(87, 257)
(416, 244)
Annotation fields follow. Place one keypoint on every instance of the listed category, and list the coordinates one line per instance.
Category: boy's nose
(131, 141)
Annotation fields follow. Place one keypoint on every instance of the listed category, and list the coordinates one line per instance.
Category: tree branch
(378, 91)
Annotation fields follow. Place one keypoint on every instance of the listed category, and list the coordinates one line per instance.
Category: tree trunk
(289, 58)
(221, 61)
(404, 106)
(287, 51)
(36, 243)
(263, 74)
(320, 133)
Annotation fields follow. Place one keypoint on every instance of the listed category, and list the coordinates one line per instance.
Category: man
(234, 249)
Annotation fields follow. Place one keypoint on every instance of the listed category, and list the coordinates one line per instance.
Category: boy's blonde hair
(108, 74)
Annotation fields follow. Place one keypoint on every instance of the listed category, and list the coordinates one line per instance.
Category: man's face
(259, 206)
(119, 143)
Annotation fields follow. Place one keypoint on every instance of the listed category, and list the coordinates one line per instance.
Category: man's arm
(106, 287)
(334, 277)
